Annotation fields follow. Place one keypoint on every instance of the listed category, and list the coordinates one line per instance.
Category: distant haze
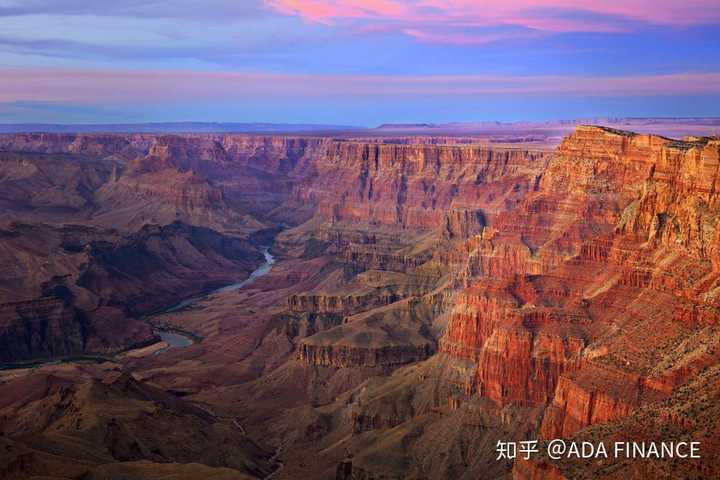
(548, 132)
(169, 127)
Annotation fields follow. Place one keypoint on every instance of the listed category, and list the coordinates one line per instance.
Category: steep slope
(73, 428)
(557, 294)
(242, 187)
(620, 240)
(73, 289)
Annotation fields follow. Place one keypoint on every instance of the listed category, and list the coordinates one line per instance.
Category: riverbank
(177, 338)
(173, 337)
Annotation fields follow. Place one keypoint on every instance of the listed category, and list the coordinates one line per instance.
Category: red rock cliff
(620, 239)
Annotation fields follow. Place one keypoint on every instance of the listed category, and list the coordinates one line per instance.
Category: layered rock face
(71, 290)
(167, 257)
(46, 327)
(666, 189)
(430, 197)
(393, 184)
(416, 185)
(361, 195)
(619, 240)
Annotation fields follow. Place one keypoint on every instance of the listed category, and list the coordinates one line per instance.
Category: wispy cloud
(191, 9)
(438, 20)
(112, 86)
(467, 38)
(71, 49)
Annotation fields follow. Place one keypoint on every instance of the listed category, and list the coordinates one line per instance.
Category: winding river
(176, 339)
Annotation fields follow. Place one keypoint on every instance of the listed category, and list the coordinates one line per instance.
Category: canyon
(431, 296)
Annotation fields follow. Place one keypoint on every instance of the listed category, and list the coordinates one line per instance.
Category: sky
(356, 62)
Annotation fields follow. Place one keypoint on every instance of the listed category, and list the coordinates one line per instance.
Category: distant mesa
(405, 126)
(172, 127)
(549, 132)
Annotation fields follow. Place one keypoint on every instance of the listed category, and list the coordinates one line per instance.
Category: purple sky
(360, 62)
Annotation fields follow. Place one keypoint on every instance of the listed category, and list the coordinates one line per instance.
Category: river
(174, 338)
(177, 339)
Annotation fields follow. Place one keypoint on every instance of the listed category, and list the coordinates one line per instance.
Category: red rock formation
(590, 395)
(415, 186)
(340, 304)
(535, 470)
(616, 216)
(387, 336)
(342, 356)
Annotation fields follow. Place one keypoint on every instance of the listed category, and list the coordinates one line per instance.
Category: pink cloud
(423, 19)
(324, 11)
(464, 38)
(116, 87)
